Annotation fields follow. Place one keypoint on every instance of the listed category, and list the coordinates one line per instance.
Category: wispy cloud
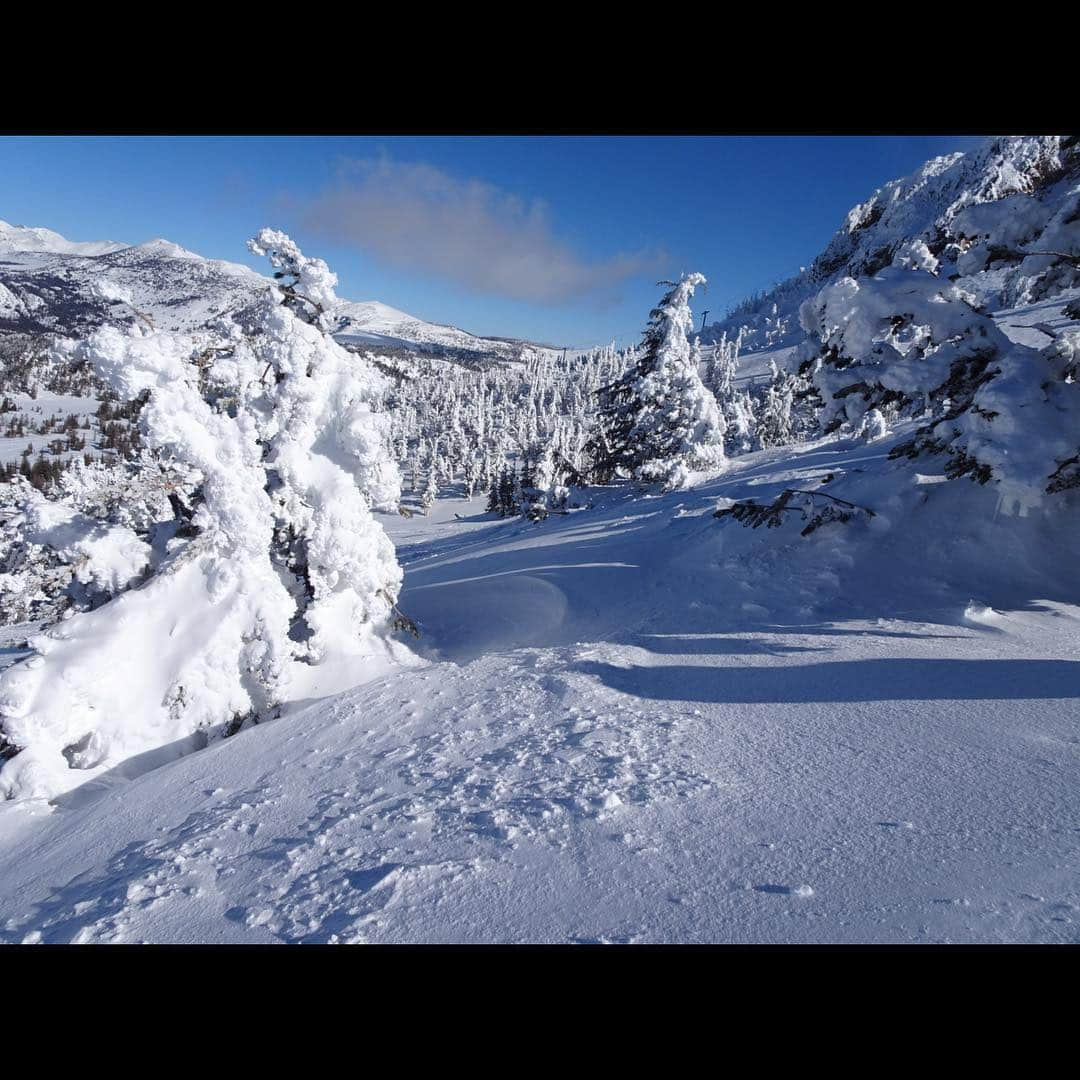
(416, 217)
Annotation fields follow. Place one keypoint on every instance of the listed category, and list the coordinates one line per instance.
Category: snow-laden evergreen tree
(508, 492)
(431, 488)
(723, 366)
(659, 422)
(275, 561)
(471, 473)
(742, 423)
(325, 450)
(908, 344)
(551, 480)
(528, 459)
(775, 423)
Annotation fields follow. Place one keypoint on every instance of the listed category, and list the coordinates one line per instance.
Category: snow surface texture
(634, 724)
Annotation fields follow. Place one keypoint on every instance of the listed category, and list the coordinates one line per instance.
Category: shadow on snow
(846, 680)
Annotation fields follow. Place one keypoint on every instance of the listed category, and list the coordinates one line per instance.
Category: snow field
(617, 769)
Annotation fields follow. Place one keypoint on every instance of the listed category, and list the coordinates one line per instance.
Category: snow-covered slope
(54, 290)
(635, 723)
(1038, 175)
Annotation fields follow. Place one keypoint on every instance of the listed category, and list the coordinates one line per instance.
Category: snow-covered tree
(472, 474)
(275, 560)
(658, 421)
(900, 342)
(775, 424)
(493, 497)
(907, 344)
(722, 368)
(431, 489)
(742, 423)
(874, 426)
(508, 491)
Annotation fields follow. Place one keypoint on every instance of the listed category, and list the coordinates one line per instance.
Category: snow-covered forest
(383, 631)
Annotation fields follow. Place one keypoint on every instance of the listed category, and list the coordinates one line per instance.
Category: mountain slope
(372, 324)
(644, 721)
(1030, 178)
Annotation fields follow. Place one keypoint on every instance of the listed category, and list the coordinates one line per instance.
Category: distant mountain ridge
(22, 238)
(49, 284)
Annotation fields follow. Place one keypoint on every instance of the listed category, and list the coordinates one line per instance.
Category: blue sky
(557, 239)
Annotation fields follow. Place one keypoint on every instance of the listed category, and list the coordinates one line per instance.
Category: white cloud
(416, 217)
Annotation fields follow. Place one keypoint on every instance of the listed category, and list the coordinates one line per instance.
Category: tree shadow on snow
(847, 680)
(715, 645)
(832, 630)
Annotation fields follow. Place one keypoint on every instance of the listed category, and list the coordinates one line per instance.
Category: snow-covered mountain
(16, 238)
(1030, 179)
(371, 324)
(51, 285)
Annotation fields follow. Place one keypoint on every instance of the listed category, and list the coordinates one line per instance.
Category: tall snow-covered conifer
(658, 422)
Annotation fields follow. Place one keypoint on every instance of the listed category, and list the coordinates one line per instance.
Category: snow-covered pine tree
(723, 365)
(286, 457)
(659, 422)
(324, 445)
(493, 497)
(908, 344)
(549, 481)
(901, 342)
(471, 474)
(431, 489)
(508, 491)
(775, 424)
(528, 459)
(742, 423)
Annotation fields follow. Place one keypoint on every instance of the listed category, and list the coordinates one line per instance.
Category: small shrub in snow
(815, 508)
